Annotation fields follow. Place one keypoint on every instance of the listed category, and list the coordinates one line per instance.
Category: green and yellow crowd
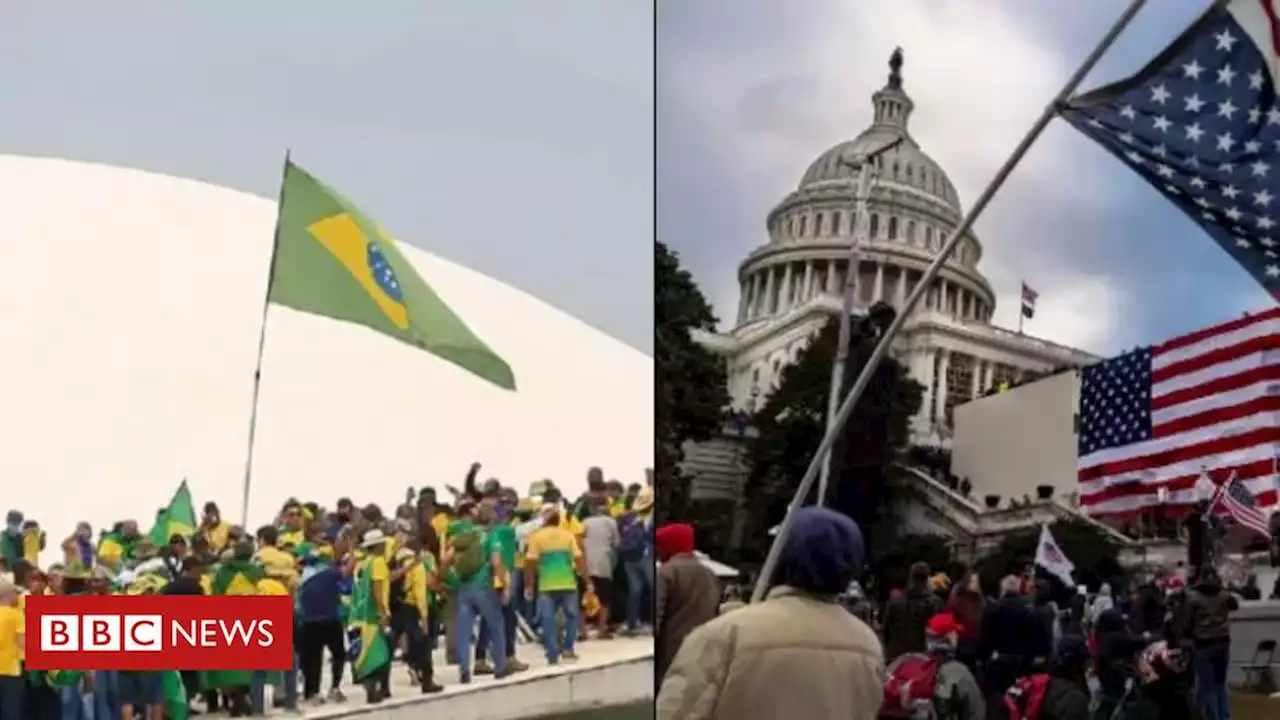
(367, 587)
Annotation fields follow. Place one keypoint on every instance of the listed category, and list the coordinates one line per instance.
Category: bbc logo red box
(159, 632)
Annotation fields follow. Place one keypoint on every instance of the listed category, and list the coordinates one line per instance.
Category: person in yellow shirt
(12, 628)
(215, 531)
(276, 562)
(410, 611)
(555, 563)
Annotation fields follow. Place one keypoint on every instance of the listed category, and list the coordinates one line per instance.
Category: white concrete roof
(130, 306)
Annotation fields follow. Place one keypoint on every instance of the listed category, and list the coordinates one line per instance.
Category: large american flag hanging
(1158, 417)
(1200, 123)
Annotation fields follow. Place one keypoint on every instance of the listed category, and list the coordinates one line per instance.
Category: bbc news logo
(159, 632)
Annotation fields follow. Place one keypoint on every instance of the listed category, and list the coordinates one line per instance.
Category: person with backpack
(472, 561)
(906, 616)
(935, 682)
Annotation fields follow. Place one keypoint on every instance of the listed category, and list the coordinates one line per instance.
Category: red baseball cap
(943, 624)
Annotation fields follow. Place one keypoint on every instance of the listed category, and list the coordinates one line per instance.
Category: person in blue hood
(797, 654)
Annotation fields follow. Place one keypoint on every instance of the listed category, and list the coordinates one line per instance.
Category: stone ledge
(540, 692)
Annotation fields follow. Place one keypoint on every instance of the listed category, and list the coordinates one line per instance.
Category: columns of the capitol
(757, 294)
(901, 300)
(941, 388)
(768, 292)
(831, 277)
(878, 292)
(784, 292)
(978, 365)
(742, 301)
(808, 282)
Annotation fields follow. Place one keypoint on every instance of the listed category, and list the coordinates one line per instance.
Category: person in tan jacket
(797, 654)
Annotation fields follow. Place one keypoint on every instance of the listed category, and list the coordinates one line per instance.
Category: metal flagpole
(867, 177)
(864, 377)
(262, 342)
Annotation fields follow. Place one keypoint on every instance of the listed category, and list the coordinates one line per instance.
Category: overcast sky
(512, 137)
(749, 93)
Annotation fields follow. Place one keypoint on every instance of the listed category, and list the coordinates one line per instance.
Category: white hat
(373, 537)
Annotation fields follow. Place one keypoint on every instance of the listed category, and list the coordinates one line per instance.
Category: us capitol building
(792, 284)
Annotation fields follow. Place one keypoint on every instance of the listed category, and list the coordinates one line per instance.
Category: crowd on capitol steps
(429, 573)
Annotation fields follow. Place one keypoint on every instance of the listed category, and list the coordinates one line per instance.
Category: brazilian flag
(178, 518)
(332, 260)
(175, 696)
(238, 577)
(366, 644)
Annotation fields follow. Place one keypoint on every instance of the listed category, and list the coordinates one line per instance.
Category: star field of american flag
(1115, 402)
(1201, 124)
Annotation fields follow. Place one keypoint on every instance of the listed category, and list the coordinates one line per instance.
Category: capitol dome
(911, 210)
(133, 305)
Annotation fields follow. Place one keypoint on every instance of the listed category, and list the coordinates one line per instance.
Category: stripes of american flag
(1242, 506)
(1158, 417)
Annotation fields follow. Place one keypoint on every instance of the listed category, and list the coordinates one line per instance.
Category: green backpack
(468, 553)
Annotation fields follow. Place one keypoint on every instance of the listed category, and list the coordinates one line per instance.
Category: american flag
(1242, 506)
(1200, 123)
(1159, 416)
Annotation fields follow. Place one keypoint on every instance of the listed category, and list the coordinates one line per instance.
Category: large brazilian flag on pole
(178, 518)
(332, 260)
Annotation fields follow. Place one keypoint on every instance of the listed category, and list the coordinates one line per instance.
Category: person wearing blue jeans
(76, 704)
(549, 603)
(1210, 666)
(106, 695)
(480, 600)
(639, 588)
(141, 694)
(258, 689)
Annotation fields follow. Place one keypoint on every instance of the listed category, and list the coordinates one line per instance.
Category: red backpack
(1025, 699)
(911, 681)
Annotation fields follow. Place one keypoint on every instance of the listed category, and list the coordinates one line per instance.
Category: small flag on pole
(1200, 123)
(1029, 301)
(1050, 557)
(1241, 506)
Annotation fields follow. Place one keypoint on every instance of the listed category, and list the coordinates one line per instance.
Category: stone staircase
(718, 466)
(929, 506)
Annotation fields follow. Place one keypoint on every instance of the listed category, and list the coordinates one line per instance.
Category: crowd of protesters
(1027, 649)
(539, 563)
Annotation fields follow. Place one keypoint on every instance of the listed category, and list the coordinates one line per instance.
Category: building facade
(793, 283)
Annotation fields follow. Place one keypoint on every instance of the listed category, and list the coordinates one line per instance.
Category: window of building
(893, 228)
(959, 383)
(875, 226)
(911, 232)
(835, 222)
(804, 225)
(818, 221)
(928, 237)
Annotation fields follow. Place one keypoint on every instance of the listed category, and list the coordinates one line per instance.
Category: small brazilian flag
(331, 260)
(179, 518)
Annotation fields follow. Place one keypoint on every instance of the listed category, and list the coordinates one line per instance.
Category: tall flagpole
(262, 342)
(864, 377)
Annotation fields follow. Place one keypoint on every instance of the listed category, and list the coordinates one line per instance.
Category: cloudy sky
(749, 95)
(512, 137)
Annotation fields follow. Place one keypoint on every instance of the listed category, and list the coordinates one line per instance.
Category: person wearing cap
(555, 564)
(13, 686)
(797, 654)
(373, 546)
(213, 529)
(636, 555)
(956, 695)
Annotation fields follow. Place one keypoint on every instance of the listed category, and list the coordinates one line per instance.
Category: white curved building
(793, 283)
(130, 315)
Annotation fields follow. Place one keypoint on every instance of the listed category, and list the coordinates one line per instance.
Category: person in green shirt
(500, 539)
(471, 563)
